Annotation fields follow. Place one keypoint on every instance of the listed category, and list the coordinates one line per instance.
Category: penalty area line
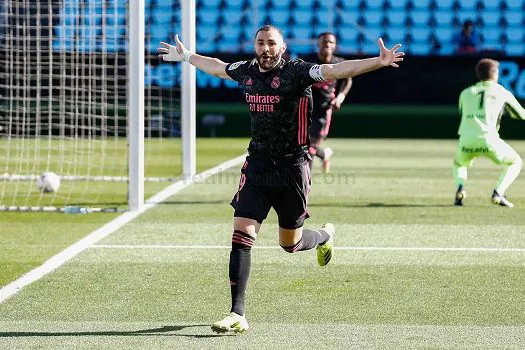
(76, 248)
(410, 249)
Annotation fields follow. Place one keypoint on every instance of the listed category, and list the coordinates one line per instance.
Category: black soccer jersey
(324, 92)
(280, 104)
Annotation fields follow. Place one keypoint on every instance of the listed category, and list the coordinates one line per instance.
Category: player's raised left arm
(178, 53)
(351, 68)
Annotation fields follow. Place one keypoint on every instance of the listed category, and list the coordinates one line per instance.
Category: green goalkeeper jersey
(481, 107)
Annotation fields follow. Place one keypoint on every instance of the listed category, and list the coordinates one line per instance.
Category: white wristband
(340, 98)
(187, 54)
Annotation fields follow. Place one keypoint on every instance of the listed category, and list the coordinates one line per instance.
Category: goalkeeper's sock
(507, 177)
(239, 269)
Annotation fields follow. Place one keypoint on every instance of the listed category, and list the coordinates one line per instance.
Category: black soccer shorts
(265, 184)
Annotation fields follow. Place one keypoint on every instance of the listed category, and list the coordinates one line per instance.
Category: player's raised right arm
(514, 107)
(179, 53)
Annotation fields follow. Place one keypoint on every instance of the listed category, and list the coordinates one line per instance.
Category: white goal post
(82, 95)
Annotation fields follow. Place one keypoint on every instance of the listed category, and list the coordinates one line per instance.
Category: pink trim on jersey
(302, 115)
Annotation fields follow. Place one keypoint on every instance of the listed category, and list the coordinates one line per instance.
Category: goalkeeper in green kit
(481, 107)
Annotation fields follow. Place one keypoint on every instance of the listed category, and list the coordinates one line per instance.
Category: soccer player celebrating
(276, 172)
(481, 107)
(327, 97)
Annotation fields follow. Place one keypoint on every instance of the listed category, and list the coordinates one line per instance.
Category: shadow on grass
(142, 332)
(379, 205)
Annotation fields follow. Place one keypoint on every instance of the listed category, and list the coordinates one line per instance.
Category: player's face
(326, 45)
(269, 47)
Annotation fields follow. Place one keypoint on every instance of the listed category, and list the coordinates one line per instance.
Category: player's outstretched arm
(351, 68)
(514, 108)
(179, 53)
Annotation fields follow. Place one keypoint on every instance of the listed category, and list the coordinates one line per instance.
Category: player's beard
(269, 62)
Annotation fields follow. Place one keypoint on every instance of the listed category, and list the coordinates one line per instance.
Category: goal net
(63, 102)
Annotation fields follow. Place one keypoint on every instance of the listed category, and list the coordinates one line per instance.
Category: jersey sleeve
(237, 70)
(307, 73)
(513, 107)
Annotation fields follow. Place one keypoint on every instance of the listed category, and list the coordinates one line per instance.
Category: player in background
(327, 98)
(481, 107)
(276, 172)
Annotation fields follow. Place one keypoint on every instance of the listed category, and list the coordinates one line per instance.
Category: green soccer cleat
(232, 323)
(325, 251)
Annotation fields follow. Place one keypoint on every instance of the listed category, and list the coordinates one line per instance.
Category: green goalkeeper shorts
(494, 148)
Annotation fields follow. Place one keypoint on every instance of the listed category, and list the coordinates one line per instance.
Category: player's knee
(292, 248)
(242, 239)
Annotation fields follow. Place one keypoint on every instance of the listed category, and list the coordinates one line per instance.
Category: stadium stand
(356, 22)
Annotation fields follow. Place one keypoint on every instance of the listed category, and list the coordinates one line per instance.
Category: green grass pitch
(410, 270)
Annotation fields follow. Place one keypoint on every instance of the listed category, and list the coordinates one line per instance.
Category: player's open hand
(172, 53)
(389, 57)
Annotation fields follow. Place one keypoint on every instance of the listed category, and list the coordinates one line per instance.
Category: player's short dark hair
(267, 28)
(486, 68)
(326, 33)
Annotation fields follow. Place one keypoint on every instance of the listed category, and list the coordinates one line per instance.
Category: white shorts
(492, 147)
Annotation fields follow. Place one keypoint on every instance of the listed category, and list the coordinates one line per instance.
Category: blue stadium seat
(445, 5)
(211, 3)
(115, 17)
(165, 3)
(279, 17)
(491, 37)
(282, 4)
(303, 34)
(370, 47)
(373, 18)
(209, 16)
(447, 49)
(303, 16)
(397, 35)
(398, 4)
(419, 49)
(515, 5)
(491, 5)
(515, 19)
(162, 16)
(468, 5)
(327, 5)
(490, 19)
(305, 4)
(444, 34)
(516, 35)
(208, 33)
(159, 32)
(421, 34)
(422, 5)
(397, 18)
(465, 14)
(235, 4)
(421, 17)
(326, 20)
(347, 36)
(374, 4)
(350, 5)
(443, 18)
(232, 16)
(231, 32)
(515, 50)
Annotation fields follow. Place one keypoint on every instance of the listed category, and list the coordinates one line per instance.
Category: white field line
(70, 252)
(410, 249)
